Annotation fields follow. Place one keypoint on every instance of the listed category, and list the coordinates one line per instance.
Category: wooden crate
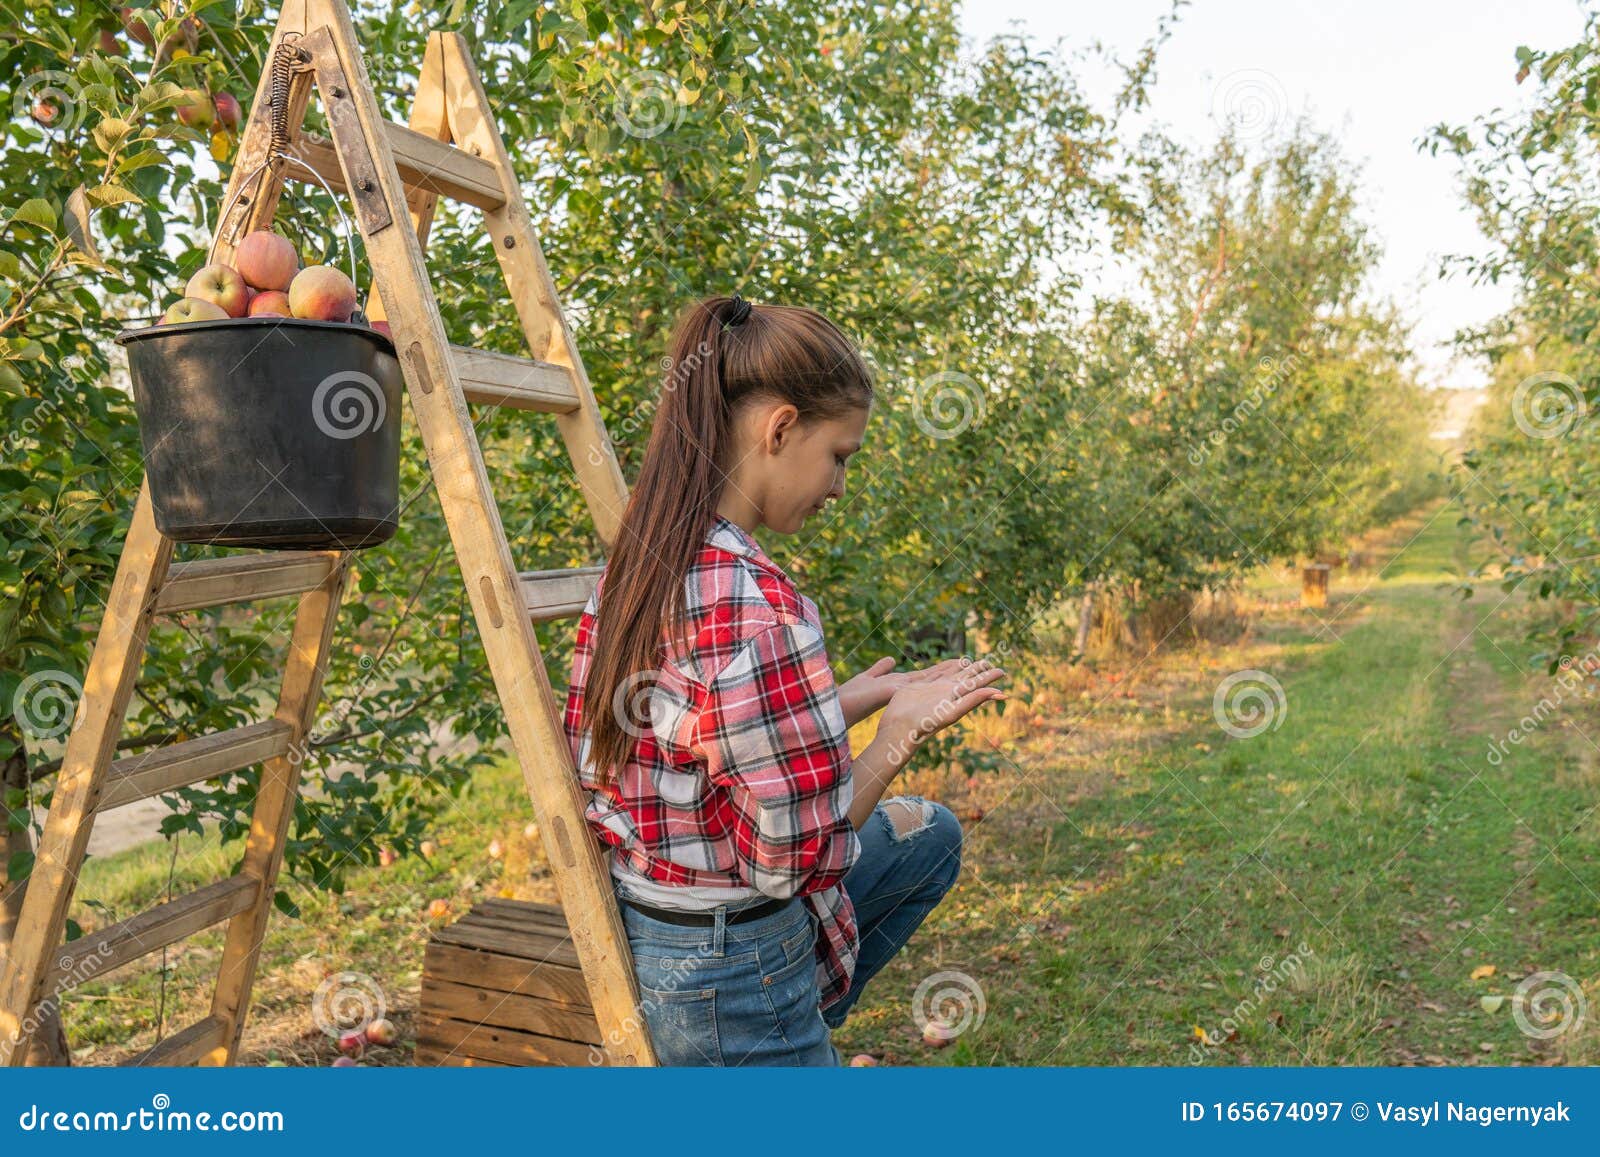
(502, 986)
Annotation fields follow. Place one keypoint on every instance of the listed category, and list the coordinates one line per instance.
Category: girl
(762, 881)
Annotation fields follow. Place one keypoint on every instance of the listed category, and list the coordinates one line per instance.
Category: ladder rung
(423, 163)
(186, 1047)
(178, 765)
(558, 594)
(241, 578)
(516, 383)
(95, 953)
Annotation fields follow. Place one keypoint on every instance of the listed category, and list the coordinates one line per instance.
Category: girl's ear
(780, 425)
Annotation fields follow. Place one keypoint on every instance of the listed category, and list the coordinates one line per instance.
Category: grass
(1139, 886)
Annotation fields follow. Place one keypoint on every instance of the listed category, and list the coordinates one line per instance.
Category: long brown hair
(785, 352)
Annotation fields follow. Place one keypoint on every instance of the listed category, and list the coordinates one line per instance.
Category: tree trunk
(48, 1044)
(1085, 621)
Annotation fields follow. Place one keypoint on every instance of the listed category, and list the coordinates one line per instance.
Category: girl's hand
(936, 698)
(870, 690)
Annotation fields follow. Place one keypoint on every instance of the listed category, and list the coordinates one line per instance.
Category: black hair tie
(741, 310)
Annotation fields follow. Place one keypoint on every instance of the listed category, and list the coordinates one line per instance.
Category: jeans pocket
(802, 945)
(683, 1025)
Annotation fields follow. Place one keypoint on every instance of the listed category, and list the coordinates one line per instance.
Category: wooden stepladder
(390, 173)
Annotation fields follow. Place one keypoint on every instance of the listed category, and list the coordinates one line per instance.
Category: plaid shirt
(740, 776)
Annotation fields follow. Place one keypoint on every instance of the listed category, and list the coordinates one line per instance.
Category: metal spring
(284, 59)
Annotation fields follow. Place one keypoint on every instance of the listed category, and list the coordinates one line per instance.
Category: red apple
(322, 293)
(46, 113)
(383, 328)
(192, 309)
(382, 1032)
(937, 1034)
(270, 303)
(221, 284)
(227, 110)
(109, 44)
(266, 260)
(137, 28)
(195, 110)
(438, 909)
(353, 1044)
(387, 856)
(346, 1063)
(863, 1061)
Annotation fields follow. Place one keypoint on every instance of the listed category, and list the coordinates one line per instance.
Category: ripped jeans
(746, 994)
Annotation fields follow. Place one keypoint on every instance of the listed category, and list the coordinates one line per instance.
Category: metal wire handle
(277, 149)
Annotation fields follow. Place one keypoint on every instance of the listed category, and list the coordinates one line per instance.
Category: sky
(1375, 75)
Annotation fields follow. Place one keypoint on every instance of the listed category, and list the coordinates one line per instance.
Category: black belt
(708, 917)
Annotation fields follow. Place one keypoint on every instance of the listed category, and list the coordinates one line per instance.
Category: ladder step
(423, 163)
(515, 383)
(241, 578)
(96, 953)
(186, 1047)
(558, 594)
(178, 765)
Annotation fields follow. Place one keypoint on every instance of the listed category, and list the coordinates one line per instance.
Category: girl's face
(806, 469)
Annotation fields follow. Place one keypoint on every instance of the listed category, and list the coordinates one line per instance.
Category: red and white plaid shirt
(740, 775)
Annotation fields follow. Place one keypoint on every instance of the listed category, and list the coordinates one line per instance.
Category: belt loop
(719, 930)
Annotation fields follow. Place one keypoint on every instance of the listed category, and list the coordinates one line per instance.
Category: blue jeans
(746, 994)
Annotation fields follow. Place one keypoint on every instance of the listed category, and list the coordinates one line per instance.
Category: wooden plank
(298, 696)
(530, 910)
(558, 594)
(449, 999)
(186, 1047)
(514, 383)
(431, 166)
(482, 551)
(96, 953)
(107, 687)
(427, 1055)
(492, 969)
(533, 293)
(215, 582)
(521, 942)
(506, 1045)
(178, 765)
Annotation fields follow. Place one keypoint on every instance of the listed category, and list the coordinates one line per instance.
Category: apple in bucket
(192, 309)
(221, 285)
(322, 293)
(270, 303)
(266, 260)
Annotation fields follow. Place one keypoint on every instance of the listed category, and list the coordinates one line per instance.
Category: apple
(863, 1061)
(192, 309)
(195, 109)
(322, 293)
(496, 849)
(270, 303)
(137, 28)
(221, 284)
(266, 260)
(227, 110)
(353, 1044)
(46, 113)
(386, 857)
(438, 909)
(346, 1063)
(530, 831)
(109, 44)
(383, 328)
(937, 1034)
(427, 847)
(382, 1032)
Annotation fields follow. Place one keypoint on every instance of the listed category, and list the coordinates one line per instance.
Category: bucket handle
(349, 234)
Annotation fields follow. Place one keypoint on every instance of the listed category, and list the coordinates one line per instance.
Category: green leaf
(37, 211)
(284, 904)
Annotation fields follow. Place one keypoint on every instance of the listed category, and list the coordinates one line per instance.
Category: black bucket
(269, 432)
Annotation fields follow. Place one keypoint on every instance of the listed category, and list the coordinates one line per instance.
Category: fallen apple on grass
(322, 293)
(266, 260)
(382, 1032)
(353, 1044)
(192, 309)
(346, 1063)
(438, 909)
(221, 285)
